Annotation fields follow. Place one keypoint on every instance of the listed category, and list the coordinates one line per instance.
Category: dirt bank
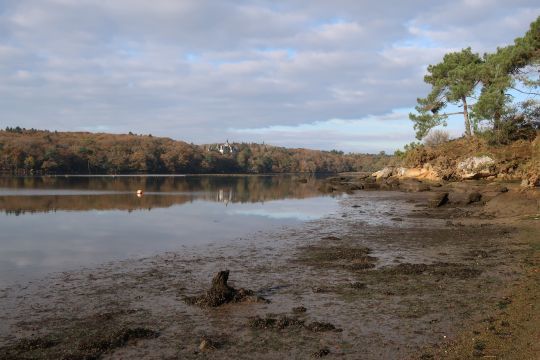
(387, 276)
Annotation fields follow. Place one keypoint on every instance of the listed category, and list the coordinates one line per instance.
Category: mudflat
(387, 276)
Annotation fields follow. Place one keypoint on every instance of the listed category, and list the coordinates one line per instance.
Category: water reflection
(63, 223)
(42, 194)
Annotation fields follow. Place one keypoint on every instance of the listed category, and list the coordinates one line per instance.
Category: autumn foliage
(50, 152)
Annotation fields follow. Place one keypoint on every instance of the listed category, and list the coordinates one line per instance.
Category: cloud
(369, 134)
(194, 70)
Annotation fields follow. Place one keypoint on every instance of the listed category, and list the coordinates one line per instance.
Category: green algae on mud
(511, 331)
(83, 343)
(281, 322)
(352, 258)
(437, 269)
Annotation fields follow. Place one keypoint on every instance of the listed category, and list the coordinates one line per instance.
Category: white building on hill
(226, 148)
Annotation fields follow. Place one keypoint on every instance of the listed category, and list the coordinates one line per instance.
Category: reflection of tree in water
(159, 191)
(225, 196)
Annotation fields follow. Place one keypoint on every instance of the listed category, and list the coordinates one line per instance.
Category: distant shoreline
(30, 151)
(175, 175)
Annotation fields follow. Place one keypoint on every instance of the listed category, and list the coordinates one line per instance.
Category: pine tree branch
(454, 113)
(524, 92)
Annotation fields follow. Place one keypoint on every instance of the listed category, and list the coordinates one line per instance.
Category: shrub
(436, 137)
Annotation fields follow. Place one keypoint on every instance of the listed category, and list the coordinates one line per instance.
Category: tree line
(495, 93)
(50, 152)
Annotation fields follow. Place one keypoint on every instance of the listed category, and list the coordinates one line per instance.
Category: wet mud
(356, 284)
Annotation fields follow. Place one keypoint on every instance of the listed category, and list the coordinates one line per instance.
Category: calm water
(60, 223)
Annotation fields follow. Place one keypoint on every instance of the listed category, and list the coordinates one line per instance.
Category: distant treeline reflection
(87, 192)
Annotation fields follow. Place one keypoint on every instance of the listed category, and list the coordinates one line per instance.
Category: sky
(340, 74)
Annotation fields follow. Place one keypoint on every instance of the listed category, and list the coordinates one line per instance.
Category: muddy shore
(388, 276)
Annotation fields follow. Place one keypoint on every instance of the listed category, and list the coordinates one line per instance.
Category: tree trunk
(497, 115)
(219, 282)
(497, 120)
(220, 292)
(468, 130)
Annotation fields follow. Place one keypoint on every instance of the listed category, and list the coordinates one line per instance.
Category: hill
(33, 151)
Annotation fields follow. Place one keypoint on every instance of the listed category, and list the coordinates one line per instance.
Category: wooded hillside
(32, 151)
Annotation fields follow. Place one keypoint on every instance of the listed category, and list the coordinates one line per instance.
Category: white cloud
(193, 69)
(369, 134)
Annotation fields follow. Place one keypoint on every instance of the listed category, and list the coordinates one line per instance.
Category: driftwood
(221, 293)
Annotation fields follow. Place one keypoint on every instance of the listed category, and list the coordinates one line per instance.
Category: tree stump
(220, 292)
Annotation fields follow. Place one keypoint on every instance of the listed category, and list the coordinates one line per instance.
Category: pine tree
(453, 81)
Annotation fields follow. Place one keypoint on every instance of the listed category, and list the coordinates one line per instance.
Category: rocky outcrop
(426, 172)
(452, 162)
(384, 173)
(474, 197)
(476, 167)
(346, 184)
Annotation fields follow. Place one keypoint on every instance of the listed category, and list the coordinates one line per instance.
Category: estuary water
(51, 224)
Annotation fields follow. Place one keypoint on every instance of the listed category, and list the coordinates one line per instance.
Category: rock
(413, 185)
(320, 353)
(342, 184)
(206, 345)
(476, 167)
(337, 179)
(352, 187)
(400, 171)
(357, 285)
(318, 326)
(371, 186)
(383, 173)
(438, 199)
(299, 310)
(273, 323)
(534, 179)
(474, 197)
(503, 189)
(458, 197)
(426, 172)
(392, 182)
